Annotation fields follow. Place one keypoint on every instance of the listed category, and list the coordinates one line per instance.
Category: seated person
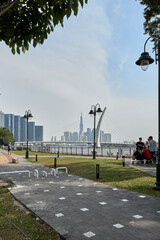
(138, 155)
(146, 153)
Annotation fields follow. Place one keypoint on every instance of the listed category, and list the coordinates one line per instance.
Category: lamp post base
(27, 154)
(157, 184)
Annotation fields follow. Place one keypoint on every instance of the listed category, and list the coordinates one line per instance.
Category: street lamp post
(27, 116)
(95, 109)
(144, 62)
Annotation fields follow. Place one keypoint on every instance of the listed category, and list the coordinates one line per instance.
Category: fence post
(55, 162)
(97, 171)
(36, 157)
(123, 161)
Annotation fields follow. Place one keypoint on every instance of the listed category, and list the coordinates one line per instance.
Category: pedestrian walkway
(79, 208)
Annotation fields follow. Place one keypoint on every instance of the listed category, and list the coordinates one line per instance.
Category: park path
(79, 208)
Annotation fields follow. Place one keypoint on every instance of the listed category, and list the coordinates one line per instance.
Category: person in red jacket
(146, 153)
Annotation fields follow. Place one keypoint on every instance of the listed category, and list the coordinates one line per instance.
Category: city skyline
(17, 125)
(90, 60)
(82, 136)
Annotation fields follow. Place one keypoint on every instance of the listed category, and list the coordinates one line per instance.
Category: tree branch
(8, 8)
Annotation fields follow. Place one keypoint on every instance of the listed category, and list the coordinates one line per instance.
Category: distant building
(23, 129)
(75, 136)
(16, 128)
(38, 133)
(67, 136)
(1, 119)
(7, 121)
(31, 131)
(81, 125)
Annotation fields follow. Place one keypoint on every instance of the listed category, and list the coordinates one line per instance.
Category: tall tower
(81, 125)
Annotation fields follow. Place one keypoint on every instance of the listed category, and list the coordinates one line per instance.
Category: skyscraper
(16, 128)
(7, 121)
(23, 129)
(1, 119)
(31, 131)
(81, 125)
(38, 133)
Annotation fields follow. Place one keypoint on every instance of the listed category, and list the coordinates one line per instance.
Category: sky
(90, 60)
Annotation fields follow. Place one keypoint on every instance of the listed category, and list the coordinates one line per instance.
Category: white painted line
(79, 185)
(46, 190)
(84, 209)
(158, 211)
(51, 182)
(142, 196)
(39, 202)
(102, 203)
(62, 187)
(118, 225)
(89, 234)
(98, 191)
(114, 189)
(138, 216)
(59, 215)
(79, 194)
(62, 198)
(37, 184)
(124, 200)
(27, 193)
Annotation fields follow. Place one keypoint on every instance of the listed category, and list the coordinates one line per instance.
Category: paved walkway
(79, 208)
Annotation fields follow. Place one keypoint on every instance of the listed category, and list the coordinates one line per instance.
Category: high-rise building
(31, 131)
(16, 128)
(23, 129)
(75, 136)
(81, 125)
(12, 123)
(1, 119)
(67, 136)
(7, 121)
(38, 133)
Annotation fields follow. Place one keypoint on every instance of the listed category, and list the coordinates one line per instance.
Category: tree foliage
(152, 17)
(28, 22)
(6, 136)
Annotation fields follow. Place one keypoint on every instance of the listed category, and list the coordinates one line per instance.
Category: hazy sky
(90, 60)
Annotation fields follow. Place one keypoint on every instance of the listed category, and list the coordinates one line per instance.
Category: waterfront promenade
(79, 208)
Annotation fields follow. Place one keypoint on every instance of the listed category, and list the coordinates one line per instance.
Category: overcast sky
(90, 60)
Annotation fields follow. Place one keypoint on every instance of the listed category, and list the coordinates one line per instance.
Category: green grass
(23, 153)
(27, 223)
(111, 172)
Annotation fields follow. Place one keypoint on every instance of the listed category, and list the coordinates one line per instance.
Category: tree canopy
(152, 17)
(6, 136)
(25, 22)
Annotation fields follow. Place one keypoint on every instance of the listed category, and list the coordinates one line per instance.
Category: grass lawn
(111, 172)
(23, 153)
(27, 223)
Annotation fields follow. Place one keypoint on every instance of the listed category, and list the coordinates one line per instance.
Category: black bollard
(55, 162)
(58, 154)
(97, 171)
(117, 155)
(36, 157)
(123, 161)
